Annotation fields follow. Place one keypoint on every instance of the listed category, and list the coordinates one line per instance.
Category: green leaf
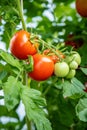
(3, 74)
(10, 59)
(84, 70)
(11, 92)
(34, 104)
(81, 109)
(60, 8)
(4, 112)
(76, 82)
(73, 89)
(0, 84)
(65, 109)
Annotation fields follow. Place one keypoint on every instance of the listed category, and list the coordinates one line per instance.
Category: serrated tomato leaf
(73, 88)
(10, 59)
(3, 74)
(11, 92)
(4, 112)
(81, 109)
(34, 104)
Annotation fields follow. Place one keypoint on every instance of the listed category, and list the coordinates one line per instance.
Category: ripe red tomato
(21, 46)
(81, 7)
(43, 67)
(53, 56)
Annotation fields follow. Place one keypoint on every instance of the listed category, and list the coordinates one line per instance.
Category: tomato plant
(21, 46)
(40, 72)
(61, 69)
(81, 6)
(43, 67)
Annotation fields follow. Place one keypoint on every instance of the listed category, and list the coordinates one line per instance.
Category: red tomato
(61, 54)
(53, 56)
(43, 67)
(81, 7)
(21, 46)
(47, 51)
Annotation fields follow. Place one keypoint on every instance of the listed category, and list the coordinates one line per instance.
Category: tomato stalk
(51, 47)
(20, 9)
(45, 44)
(25, 81)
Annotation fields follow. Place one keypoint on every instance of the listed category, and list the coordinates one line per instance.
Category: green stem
(28, 122)
(46, 91)
(52, 48)
(20, 9)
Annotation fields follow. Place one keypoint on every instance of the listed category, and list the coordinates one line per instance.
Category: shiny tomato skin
(61, 69)
(43, 67)
(81, 7)
(21, 46)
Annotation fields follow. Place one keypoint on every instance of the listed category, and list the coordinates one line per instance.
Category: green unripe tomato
(71, 74)
(77, 58)
(68, 59)
(73, 65)
(61, 69)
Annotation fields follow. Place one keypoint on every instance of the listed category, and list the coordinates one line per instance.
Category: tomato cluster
(46, 62)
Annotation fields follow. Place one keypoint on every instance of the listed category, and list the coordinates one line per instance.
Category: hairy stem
(20, 9)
